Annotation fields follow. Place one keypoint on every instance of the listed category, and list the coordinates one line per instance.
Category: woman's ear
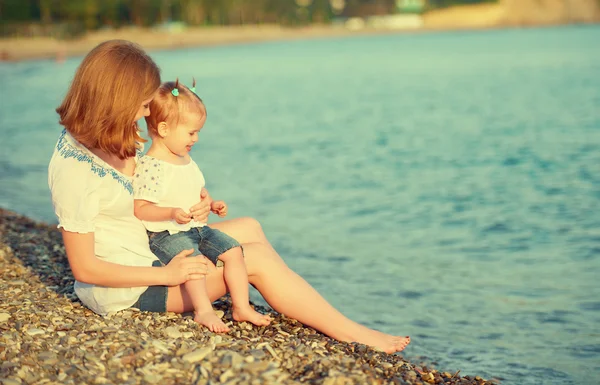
(162, 129)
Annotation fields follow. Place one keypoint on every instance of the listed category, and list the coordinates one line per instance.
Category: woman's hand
(183, 268)
(200, 211)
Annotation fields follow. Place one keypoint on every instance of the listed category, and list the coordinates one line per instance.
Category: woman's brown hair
(107, 91)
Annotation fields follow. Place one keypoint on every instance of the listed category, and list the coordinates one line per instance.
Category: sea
(442, 185)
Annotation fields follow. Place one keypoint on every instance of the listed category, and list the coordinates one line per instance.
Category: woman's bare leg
(290, 294)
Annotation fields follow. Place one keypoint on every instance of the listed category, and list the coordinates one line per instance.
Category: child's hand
(219, 208)
(180, 216)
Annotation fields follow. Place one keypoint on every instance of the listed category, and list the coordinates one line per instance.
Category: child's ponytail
(175, 90)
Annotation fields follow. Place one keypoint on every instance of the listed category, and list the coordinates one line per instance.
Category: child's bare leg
(204, 313)
(236, 278)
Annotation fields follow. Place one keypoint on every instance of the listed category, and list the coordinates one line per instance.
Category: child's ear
(162, 129)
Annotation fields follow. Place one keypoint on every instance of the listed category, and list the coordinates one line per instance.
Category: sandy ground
(505, 13)
(14, 49)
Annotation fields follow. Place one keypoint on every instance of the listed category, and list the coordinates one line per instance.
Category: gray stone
(197, 355)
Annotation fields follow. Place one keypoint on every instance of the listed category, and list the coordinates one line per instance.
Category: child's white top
(90, 196)
(168, 185)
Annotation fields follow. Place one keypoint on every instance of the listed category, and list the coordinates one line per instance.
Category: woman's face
(144, 109)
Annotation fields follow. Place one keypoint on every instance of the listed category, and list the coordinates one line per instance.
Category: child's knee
(233, 254)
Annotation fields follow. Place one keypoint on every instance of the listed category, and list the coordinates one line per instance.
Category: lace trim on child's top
(68, 150)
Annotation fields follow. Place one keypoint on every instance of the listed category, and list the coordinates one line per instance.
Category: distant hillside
(515, 13)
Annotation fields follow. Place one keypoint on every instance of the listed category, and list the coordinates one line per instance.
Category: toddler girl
(166, 183)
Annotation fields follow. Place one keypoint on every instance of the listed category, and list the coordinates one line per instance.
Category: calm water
(445, 186)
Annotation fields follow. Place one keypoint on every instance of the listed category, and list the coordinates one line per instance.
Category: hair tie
(175, 92)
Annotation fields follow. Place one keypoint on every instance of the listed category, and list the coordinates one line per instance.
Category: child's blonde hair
(107, 91)
(171, 109)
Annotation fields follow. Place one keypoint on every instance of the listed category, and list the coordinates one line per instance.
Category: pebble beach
(49, 337)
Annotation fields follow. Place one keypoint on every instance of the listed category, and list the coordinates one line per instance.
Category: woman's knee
(253, 228)
(244, 230)
(251, 224)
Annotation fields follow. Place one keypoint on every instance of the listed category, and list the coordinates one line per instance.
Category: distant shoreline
(35, 48)
(459, 18)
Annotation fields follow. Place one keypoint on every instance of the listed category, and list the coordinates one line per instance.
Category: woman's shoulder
(73, 164)
(69, 157)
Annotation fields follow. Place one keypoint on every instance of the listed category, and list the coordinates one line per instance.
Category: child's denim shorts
(154, 299)
(204, 240)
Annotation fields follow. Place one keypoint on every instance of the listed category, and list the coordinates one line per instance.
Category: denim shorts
(154, 299)
(204, 240)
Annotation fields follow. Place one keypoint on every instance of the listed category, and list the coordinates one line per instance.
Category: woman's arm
(88, 268)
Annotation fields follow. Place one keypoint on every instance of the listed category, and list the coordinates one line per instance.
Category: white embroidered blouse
(90, 196)
(168, 185)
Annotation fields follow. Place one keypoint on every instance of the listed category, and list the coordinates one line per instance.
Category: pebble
(47, 337)
(197, 355)
(10, 381)
(34, 332)
(258, 354)
(173, 332)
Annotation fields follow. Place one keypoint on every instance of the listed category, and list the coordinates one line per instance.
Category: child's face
(182, 138)
(144, 109)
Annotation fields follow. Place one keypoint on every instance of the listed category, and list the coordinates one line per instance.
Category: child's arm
(148, 211)
(87, 268)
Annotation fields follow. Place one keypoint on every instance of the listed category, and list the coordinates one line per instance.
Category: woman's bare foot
(384, 342)
(243, 313)
(211, 321)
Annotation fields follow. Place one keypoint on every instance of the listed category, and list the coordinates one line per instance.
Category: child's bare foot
(384, 342)
(246, 313)
(211, 321)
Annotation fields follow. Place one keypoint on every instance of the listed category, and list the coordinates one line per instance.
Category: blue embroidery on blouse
(67, 150)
